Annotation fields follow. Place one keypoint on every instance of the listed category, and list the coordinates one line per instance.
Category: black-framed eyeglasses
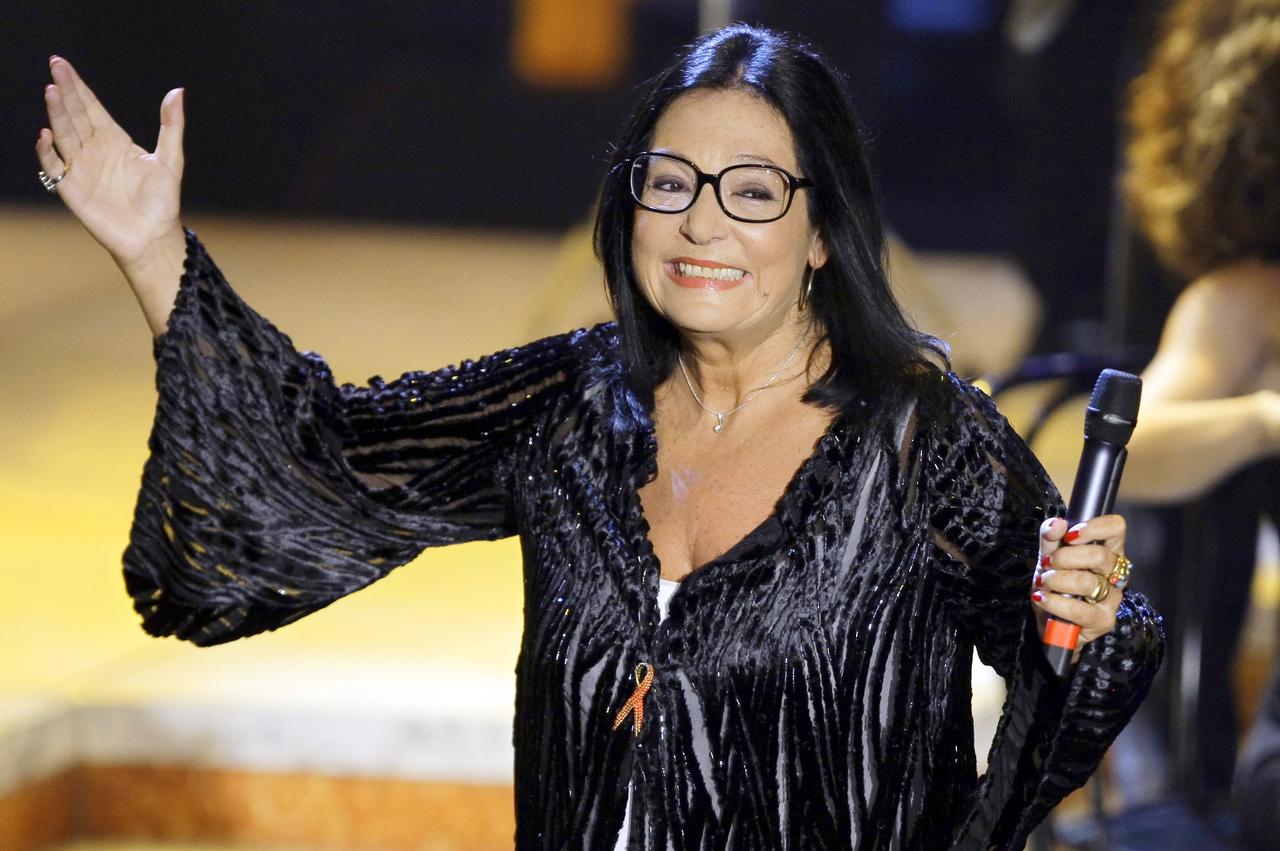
(666, 183)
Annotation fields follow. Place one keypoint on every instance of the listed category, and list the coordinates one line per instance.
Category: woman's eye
(668, 184)
(754, 193)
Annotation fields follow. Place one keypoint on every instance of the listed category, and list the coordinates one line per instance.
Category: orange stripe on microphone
(1061, 633)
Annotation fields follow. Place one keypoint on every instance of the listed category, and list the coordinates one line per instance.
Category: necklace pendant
(719, 426)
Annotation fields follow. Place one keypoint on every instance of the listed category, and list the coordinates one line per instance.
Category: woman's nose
(704, 221)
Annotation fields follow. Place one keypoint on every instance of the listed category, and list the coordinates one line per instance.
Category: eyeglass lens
(753, 193)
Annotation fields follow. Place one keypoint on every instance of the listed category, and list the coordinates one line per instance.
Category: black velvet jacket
(812, 685)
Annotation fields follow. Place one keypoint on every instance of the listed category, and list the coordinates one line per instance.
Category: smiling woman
(750, 304)
(763, 530)
(732, 289)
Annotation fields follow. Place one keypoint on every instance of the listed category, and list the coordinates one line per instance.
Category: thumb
(172, 121)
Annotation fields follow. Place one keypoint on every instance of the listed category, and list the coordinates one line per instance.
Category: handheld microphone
(1108, 424)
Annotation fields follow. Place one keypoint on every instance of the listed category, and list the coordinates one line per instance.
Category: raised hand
(125, 196)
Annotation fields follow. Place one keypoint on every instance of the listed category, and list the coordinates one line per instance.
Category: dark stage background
(416, 112)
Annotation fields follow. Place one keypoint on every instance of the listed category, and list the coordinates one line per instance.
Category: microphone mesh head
(1113, 408)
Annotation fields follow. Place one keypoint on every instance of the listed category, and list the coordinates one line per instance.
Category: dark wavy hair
(873, 346)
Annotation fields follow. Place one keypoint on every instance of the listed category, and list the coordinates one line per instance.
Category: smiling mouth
(715, 273)
(697, 276)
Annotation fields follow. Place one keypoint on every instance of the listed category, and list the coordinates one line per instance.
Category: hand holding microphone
(1082, 560)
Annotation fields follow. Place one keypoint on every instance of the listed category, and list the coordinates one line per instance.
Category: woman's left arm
(1080, 578)
(990, 498)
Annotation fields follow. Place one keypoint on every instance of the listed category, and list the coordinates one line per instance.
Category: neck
(725, 372)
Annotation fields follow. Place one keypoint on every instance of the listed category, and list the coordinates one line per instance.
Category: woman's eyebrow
(756, 158)
(744, 158)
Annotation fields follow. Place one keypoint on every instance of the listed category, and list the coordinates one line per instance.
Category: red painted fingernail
(1071, 536)
(1039, 580)
(1045, 560)
(1037, 597)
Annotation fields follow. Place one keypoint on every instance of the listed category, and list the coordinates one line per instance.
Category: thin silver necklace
(721, 416)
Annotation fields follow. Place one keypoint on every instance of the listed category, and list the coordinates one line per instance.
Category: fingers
(1108, 529)
(1085, 557)
(95, 112)
(60, 69)
(65, 135)
(1068, 595)
(50, 163)
(75, 113)
(1052, 531)
(1074, 564)
(1081, 583)
(1074, 552)
(172, 124)
(1094, 619)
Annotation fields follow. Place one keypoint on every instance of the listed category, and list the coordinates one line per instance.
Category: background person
(1202, 183)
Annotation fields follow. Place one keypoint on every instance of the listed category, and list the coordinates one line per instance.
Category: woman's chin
(704, 318)
(729, 325)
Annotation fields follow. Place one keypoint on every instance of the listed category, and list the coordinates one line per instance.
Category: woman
(844, 520)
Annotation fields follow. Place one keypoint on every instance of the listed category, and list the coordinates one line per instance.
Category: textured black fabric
(812, 685)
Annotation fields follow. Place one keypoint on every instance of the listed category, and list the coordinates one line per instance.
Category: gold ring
(1119, 575)
(1101, 591)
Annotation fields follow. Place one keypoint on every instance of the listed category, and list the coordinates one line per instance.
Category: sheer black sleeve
(270, 492)
(990, 495)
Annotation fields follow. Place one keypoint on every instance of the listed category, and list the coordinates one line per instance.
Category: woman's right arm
(270, 491)
(126, 197)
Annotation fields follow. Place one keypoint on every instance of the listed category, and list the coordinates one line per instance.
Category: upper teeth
(723, 273)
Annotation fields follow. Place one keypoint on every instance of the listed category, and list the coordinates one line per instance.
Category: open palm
(127, 197)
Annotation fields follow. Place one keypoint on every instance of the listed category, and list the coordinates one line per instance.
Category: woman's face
(672, 253)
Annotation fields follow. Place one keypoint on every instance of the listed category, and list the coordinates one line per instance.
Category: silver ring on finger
(1101, 590)
(51, 183)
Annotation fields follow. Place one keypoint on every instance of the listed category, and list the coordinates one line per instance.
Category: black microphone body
(1109, 422)
(1097, 480)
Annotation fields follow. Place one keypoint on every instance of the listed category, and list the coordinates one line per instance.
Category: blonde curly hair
(1203, 176)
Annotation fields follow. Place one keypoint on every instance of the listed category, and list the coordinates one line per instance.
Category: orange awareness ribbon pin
(644, 679)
